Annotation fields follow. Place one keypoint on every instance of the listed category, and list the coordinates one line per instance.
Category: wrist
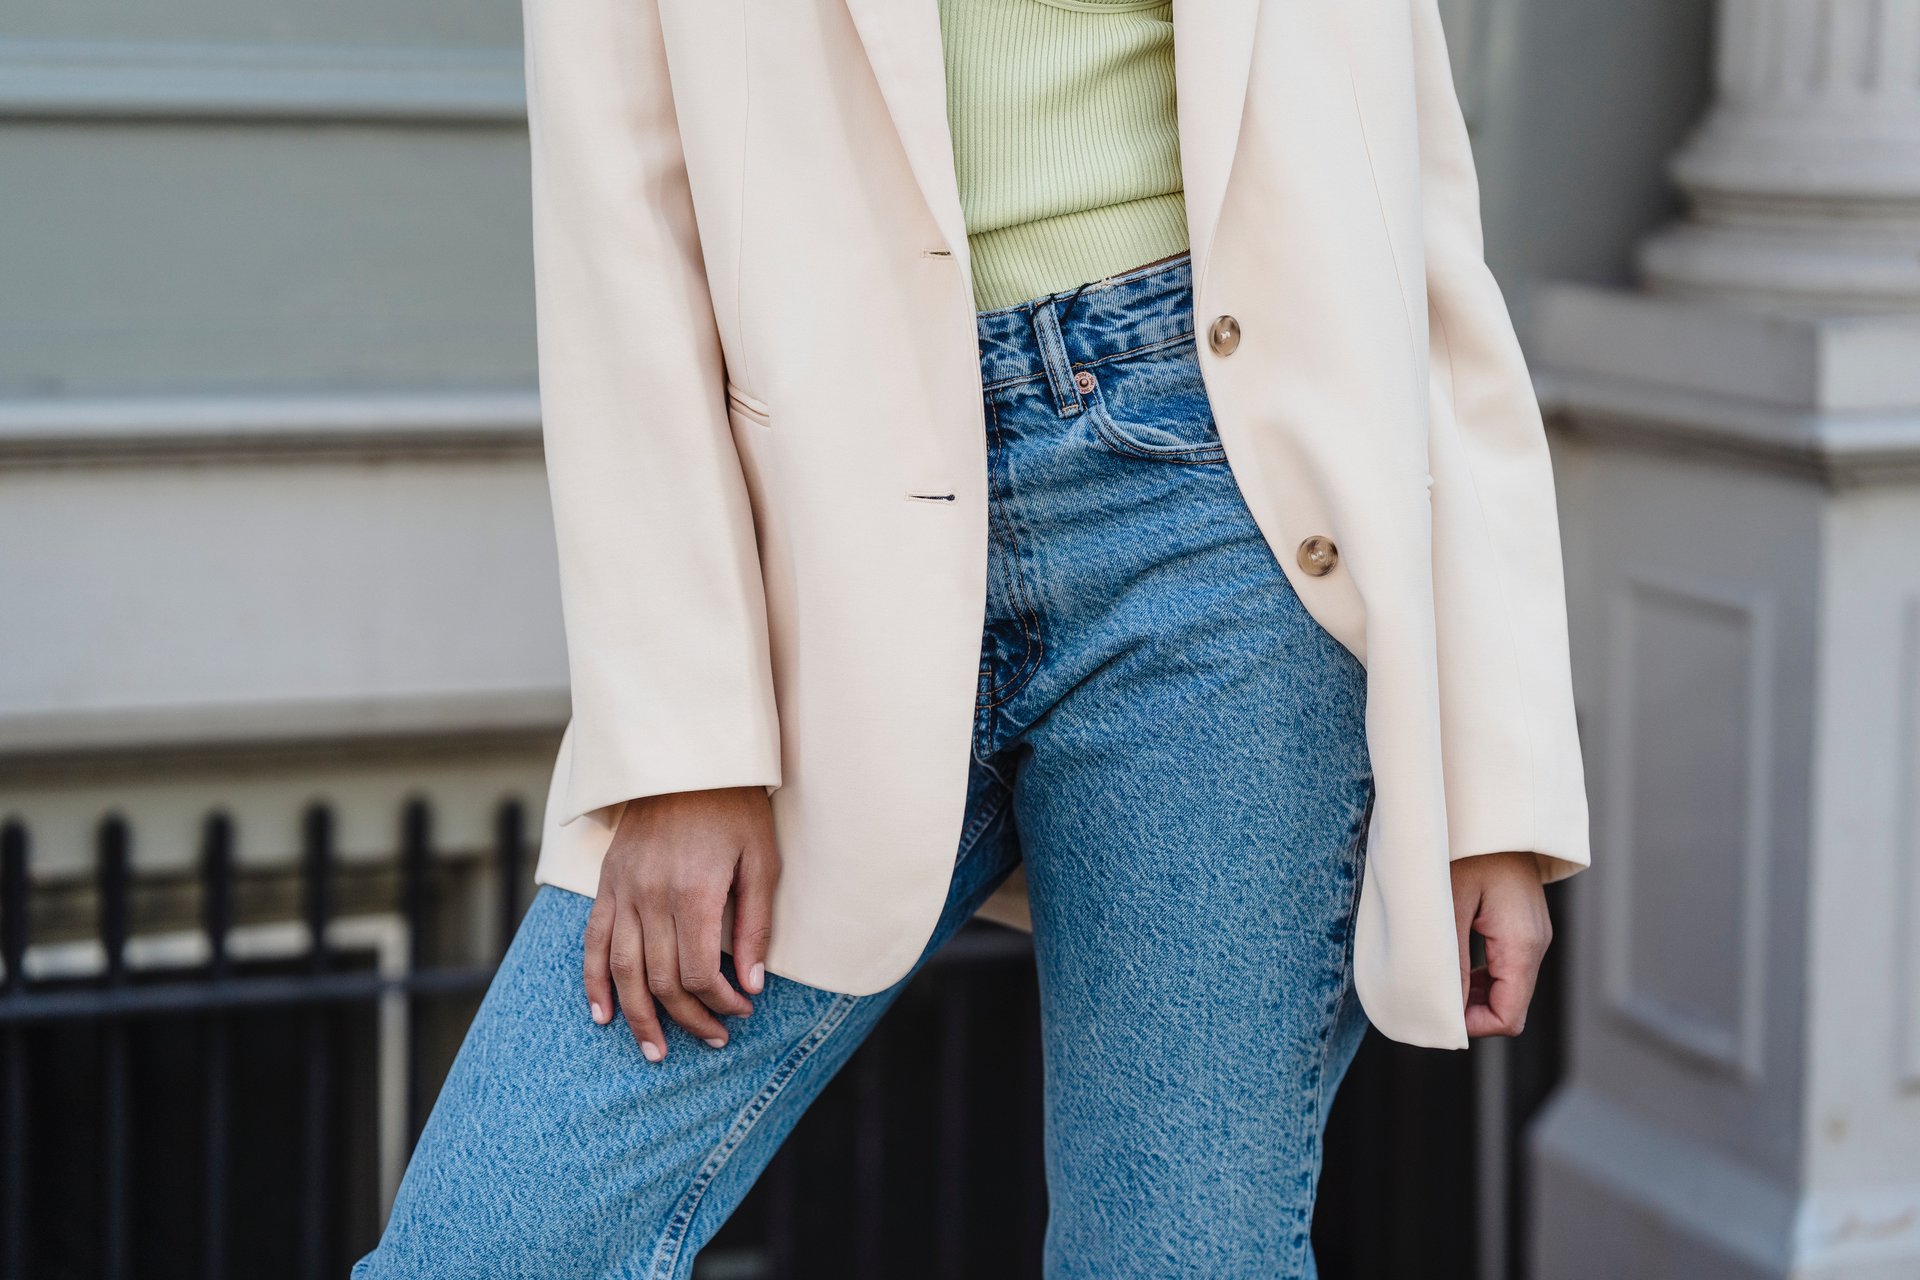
(1501, 864)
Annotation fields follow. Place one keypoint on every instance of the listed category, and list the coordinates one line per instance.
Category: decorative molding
(89, 80)
(1833, 449)
(1736, 1047)
(1836, 364)
(1674, 1207)
(1677, 1207)
(1804, 178)
(1834, 399)
(63, 745)
(126, 430)
(1852, 47)
(1906, 905)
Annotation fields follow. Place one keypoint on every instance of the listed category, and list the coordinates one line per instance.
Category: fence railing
(210, 994)
(221, 1109)
(216, 991)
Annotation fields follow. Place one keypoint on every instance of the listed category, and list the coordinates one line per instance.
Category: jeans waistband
(1049, 336)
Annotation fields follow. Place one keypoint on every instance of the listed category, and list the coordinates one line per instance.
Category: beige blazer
(757, 359)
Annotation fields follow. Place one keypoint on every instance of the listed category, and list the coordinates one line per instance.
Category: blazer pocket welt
(749, 407)
(755, 446)
(748, 421)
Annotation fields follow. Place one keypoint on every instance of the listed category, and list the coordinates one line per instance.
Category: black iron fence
(220, 1111)
(51, 1222)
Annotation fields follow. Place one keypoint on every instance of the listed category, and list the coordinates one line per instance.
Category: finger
(627, 960)
(753, 883)
(1482, 982)
(663, 979)
(1481, 1020)
(1500, 1011)
(595, 976)
(1513, 965)
(696, 925)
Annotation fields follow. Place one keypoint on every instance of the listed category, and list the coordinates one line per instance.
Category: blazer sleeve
(660, 585)
(1509, 744)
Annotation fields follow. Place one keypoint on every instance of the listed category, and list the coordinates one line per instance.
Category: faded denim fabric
(1177, 751)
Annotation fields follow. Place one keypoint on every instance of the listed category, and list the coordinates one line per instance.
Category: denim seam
(1116, 439)
(1310, 1139)
(1097, 361)
(989, 812)
(1025, 614)
(1055, 362)
(1158, 344)
(982, 711)
(994, 771)
(666, 1254)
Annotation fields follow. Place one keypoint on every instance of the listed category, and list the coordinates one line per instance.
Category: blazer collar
(1212, 55)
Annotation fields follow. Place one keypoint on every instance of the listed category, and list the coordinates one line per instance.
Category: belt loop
(1053, 355)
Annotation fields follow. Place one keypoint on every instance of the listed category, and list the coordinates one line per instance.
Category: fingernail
(599, 1014)
(718, 1042)
(758, 978)
(651, 1051)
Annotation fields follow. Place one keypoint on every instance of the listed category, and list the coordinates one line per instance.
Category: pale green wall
(205, 196)
(273, 520)
(344, 204)
(381, 23)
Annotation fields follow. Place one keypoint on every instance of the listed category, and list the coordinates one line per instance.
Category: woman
(975, 476)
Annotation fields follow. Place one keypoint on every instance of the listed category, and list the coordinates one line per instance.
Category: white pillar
(1739, 449)
(1805, 177)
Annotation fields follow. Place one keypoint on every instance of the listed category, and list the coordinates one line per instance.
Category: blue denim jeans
(1176, 750)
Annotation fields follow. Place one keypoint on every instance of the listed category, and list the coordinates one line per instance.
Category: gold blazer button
(1223, 335)
(1318, 555)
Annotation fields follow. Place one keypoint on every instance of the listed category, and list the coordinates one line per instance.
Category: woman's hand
(654, 930)
(1499, 897)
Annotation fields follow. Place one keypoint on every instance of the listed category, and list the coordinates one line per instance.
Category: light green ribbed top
(1065, 140)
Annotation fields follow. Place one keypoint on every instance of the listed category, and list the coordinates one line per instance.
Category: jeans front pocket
(1152, 405)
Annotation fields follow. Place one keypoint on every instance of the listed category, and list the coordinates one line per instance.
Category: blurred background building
(281, 659)
(1740, 440)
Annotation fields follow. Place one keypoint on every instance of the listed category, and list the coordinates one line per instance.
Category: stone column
(1739, 450)
(1805, 177)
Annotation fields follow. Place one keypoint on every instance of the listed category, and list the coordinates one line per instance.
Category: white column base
(1741, 493)
(1863, 272)
(1618, 1198)
(1804, 179)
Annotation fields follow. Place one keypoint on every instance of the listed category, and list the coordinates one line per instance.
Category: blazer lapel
(1212, 53)
(903, 44)
(1212, 59)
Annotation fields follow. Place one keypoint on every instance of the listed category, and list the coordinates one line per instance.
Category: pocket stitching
(1116, 438)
